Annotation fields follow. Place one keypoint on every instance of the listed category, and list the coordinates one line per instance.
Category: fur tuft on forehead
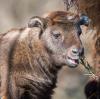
(61, 16)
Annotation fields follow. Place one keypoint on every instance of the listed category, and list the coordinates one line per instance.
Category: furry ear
(37, 22)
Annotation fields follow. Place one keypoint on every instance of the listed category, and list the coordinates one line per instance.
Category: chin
(72, 65)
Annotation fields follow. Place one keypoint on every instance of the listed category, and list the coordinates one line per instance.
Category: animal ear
(37, 22)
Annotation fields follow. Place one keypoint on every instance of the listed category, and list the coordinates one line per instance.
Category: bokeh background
(16, 13)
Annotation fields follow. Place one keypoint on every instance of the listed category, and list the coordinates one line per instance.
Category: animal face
(61, 38)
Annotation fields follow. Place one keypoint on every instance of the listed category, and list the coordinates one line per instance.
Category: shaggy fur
(92, 9)
(31, 57)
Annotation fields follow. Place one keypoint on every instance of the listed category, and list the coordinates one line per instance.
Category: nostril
(78, 51)
(75, 51)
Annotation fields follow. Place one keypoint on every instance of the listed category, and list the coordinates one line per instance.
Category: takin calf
(31, 57)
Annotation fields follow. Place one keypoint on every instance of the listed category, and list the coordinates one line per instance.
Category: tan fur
(92, 9)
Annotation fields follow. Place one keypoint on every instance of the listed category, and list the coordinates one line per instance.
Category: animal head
(60, 35)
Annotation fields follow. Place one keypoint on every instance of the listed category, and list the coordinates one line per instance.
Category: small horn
(84, 20)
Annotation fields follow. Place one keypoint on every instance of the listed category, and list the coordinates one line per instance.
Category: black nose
(77, 51)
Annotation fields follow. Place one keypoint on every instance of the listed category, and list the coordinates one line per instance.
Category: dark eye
(56, 34)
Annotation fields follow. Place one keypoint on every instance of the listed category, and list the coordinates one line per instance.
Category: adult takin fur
(31, 57)
(91, 8)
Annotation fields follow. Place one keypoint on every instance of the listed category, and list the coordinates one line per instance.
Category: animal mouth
(72, 62)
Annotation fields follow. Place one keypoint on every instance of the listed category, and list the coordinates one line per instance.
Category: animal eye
(56, 34)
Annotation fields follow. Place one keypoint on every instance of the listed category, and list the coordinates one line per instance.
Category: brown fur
(29, 61)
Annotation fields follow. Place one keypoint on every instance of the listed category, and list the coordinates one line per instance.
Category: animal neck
(38, 66)
(45, 66)
(47, 75)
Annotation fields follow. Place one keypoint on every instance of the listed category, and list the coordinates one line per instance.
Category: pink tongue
(74, 60)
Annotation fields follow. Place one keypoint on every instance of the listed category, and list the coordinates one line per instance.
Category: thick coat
(31, 57)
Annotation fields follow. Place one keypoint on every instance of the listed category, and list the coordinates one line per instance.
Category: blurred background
(16, 13)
